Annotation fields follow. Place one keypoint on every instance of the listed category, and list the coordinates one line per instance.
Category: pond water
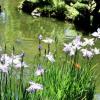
(21, 30)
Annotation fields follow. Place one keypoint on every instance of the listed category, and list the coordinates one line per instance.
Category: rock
(36, 13)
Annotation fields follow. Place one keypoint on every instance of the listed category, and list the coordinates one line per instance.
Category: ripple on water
(97, 97)
(3, 17)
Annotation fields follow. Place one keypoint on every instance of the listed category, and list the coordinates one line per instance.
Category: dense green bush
(59, 9)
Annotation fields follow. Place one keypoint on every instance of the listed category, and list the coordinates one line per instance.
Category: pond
(21, 30)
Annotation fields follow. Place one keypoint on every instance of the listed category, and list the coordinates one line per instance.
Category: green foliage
(71, 12)
(67, 9)
(60, 10)
(69, 77)
(80, 6)
(61, 80)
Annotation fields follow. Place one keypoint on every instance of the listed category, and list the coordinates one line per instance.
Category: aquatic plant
(96, 34)
(34, 87)
(39, 71)
(69, 73)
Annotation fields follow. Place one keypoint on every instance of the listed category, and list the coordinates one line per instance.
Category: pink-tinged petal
(4, 68)
(40, 37)
(86, 53)
(34, 87)
(39, 71)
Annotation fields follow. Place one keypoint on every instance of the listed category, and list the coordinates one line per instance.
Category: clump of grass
(55, 76)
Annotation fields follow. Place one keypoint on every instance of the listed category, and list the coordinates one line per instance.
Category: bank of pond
(83, 13)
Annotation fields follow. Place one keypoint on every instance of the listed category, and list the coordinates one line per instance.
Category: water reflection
(2, 17)
(97, 97)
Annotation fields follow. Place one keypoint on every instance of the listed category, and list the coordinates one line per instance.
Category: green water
(19, 26)
(22, 30)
